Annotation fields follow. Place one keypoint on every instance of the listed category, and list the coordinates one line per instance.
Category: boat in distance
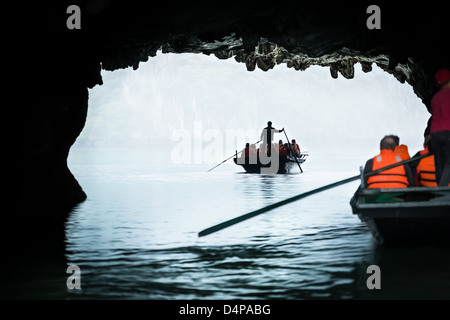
(415, 216)
(285, 164)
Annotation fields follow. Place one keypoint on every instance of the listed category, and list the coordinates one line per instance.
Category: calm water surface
(135, 237)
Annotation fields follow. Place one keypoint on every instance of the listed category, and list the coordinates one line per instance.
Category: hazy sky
(213, 102)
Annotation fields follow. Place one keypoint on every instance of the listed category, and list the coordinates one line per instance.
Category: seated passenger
(284, 149)
(400, 149)
(397, 177)
(253, 151)
(280, 144)
(249, 154)
(275, 147)
(424, 169)
(295, 148)
(246, 152)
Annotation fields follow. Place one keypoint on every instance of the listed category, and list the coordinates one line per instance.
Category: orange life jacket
(392, 178)
(426, 171)
(402, 151)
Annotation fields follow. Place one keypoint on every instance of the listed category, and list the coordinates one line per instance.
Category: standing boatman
(267, 137)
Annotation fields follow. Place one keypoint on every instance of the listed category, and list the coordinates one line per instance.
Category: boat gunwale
(363, 192)
(417, 209)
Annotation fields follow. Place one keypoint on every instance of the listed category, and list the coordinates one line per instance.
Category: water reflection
(259, 186)
(267, 184)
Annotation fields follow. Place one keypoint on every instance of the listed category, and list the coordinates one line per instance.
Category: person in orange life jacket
(295, 148)
(440, 128)
(267, 137)
(400, 149)
(397, 177)
(424, 169)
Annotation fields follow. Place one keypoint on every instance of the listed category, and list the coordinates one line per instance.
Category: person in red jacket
(440, 128)
(246, 151)
(249, 154)
(253, 152)
(397, 177)
(280, 145)
(284, 149)
(295, 148)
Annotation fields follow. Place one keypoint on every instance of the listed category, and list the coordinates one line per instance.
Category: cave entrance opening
(152, 134)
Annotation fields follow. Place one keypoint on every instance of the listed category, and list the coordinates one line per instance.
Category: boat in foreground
(285, 164)
(408, 216)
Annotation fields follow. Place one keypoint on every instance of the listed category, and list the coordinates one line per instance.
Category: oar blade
(227, 224)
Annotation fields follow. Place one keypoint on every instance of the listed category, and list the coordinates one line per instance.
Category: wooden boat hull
(410, 216)
(286, 163)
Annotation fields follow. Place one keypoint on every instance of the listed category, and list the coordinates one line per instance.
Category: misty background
(178, 101)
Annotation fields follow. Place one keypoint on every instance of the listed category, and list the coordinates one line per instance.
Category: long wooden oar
(289, 144)
(252, 214)
(229, 158)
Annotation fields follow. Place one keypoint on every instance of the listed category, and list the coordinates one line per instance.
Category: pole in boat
(252, 214)
(289, 144)
(234, 155)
